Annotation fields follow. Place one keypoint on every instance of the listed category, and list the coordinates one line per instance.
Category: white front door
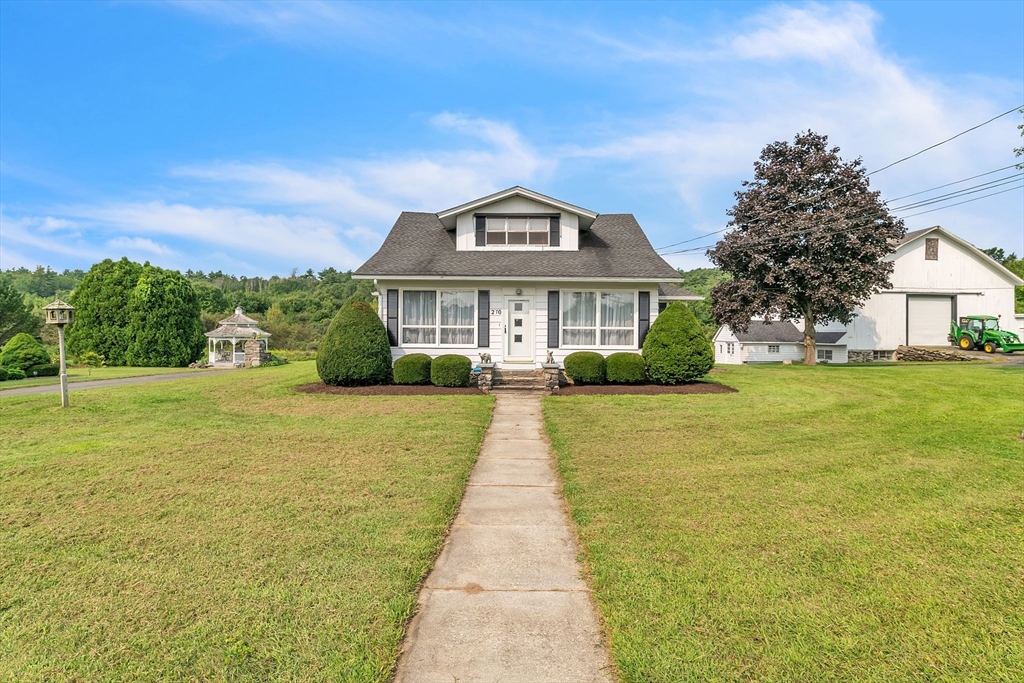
(519, 330)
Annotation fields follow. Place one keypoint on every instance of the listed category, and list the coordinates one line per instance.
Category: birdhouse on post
(60, 314)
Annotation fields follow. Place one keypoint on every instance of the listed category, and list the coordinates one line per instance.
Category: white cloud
(133, 245)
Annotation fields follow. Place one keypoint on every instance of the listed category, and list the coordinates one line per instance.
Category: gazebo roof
(238, 318)
(237, 332)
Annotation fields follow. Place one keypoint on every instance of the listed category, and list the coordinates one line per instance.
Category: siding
(465, 228)
(756, 352)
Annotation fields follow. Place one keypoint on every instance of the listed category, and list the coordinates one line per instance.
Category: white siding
(757, 352)
(839, 354)
(465, 227)
(723, 340)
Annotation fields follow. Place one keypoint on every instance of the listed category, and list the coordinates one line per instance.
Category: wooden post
(63, 369)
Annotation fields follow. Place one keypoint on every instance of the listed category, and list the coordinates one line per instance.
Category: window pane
(418, 308)
(578, 337)
(495, 238)
(517, 238)
(616, 337)
(616, 309)
(539, 224)
(456, 335)
(517, 225)
(457, 308)
(419, 335)
(538, 238)
(579, 309)
(496, 225)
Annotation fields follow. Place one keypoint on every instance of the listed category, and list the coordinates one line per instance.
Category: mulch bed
(386, 390)
(644, 389)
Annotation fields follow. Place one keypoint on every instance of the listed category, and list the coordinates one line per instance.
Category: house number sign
(495, 311)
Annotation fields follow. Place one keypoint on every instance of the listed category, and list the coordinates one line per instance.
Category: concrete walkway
(100, 383)
(505, 601)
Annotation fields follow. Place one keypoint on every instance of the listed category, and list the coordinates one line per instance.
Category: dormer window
(518, 230)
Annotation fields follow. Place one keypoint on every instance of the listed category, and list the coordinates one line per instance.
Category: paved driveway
(100, 383)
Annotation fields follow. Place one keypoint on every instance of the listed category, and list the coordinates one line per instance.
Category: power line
(966, 201)
(955, 182)
(823, 192)
(961, 193)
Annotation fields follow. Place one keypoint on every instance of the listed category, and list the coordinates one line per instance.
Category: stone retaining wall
(920, 353)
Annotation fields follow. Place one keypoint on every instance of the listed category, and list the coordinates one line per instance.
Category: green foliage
(23, 352)
(164, 325)
(585, 367)
(413, 369)
(702, 281)
(15, 373)
(3, 374)
(451, 370)
(44, 283)
(210, 298)
(92, 359)
(1016, 266)
(625, 368)
(355, 350)
(101, 310)
(43, 370)
(274, 361)
(676, 349)
(16, 314)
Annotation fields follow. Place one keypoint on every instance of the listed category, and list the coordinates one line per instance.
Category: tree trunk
(810, 351)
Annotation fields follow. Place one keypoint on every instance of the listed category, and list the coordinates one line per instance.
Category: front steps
(518, 380)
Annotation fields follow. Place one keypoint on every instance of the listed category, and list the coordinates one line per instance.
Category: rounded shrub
(450, 370)
(15, 373)
(676, 350)
(355, 350)
(22, 351)
(625, 368)
(43, 370)
(413, 369)
(3, 373)
(585, 367)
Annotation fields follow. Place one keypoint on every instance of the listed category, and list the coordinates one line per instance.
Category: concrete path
(100, 383)
(505, 601)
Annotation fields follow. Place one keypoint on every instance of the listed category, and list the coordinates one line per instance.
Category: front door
(519, 332)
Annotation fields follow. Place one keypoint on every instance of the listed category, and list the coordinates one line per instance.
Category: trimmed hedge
(43, 370)
(3, 373)
(413, 369)
(585, 367)
(676, 349)
(15, 373)
(450, 370)
(625, 368)
(22, 351)
(355, 350)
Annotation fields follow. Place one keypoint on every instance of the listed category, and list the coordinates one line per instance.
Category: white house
(936, 277)
(775, 342)
(517, 274)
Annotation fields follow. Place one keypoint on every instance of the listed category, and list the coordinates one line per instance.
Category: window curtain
(419, 318)
(616, 312)
(579, 312)
(457, 317)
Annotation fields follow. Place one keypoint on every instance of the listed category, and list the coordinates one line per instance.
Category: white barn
(936, 278)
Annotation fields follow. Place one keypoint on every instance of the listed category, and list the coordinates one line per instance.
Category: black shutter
(483, 317)
(645, 316)
(481, 231)
(392, 311)
(553, 319)
(555, 238)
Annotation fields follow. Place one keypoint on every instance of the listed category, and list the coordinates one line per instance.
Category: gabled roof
(978, 253)
(234, 331)
(586, 215)
(668, 292)
(238, 318)
(614, 248)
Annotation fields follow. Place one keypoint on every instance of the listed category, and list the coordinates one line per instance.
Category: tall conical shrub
(355, 350)
(676, 350)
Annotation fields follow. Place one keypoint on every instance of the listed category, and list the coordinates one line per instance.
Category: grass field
(84, 375)
(222, 527)
(823, 524)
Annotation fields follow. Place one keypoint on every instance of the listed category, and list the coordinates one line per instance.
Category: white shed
(775, 342)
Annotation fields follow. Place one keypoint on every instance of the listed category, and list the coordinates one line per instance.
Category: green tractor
(982, 332)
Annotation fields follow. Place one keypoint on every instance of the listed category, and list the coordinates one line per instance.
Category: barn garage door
(928, 320)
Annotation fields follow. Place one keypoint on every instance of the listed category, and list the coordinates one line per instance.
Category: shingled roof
(784, 331)
(667, 291)
(613, 247)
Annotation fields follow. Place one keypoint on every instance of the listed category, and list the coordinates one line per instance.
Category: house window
(824, 354)
(729, 348)
(518, 230)
(585, 323)
(447, 315)
(931, 248)
(881, 355)
(773, 348)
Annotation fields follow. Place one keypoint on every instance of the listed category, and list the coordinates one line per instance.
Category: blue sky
(257, 138)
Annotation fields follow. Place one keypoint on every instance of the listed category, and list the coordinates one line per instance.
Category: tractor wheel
(989, 347)
(966, 343)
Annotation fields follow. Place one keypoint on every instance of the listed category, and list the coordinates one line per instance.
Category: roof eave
(510, 192)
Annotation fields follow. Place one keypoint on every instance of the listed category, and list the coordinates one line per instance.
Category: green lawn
(223, 527)
(823, 524)
(84, 375)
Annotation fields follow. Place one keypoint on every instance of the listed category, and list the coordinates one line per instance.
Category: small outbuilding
(775, 342)
(238, 342)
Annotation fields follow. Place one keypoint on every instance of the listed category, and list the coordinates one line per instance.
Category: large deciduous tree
(808, 240)
(15, 313)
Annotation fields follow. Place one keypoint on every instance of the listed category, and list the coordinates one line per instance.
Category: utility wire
(967, 201)
(879, 170)
(961, 193)
(955, 182)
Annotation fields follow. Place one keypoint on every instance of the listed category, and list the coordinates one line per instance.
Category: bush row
(444, 371)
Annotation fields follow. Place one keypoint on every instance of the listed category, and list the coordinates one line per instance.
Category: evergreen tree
(101, 310)
(15, 313)
(164, 325)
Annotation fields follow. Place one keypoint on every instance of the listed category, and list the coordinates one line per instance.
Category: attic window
(518, 230)
(931, 248)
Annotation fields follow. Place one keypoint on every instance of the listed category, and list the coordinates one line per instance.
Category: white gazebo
(236, 341)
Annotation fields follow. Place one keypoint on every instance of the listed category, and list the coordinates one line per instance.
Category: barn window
(931, 249)
(773, 348)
